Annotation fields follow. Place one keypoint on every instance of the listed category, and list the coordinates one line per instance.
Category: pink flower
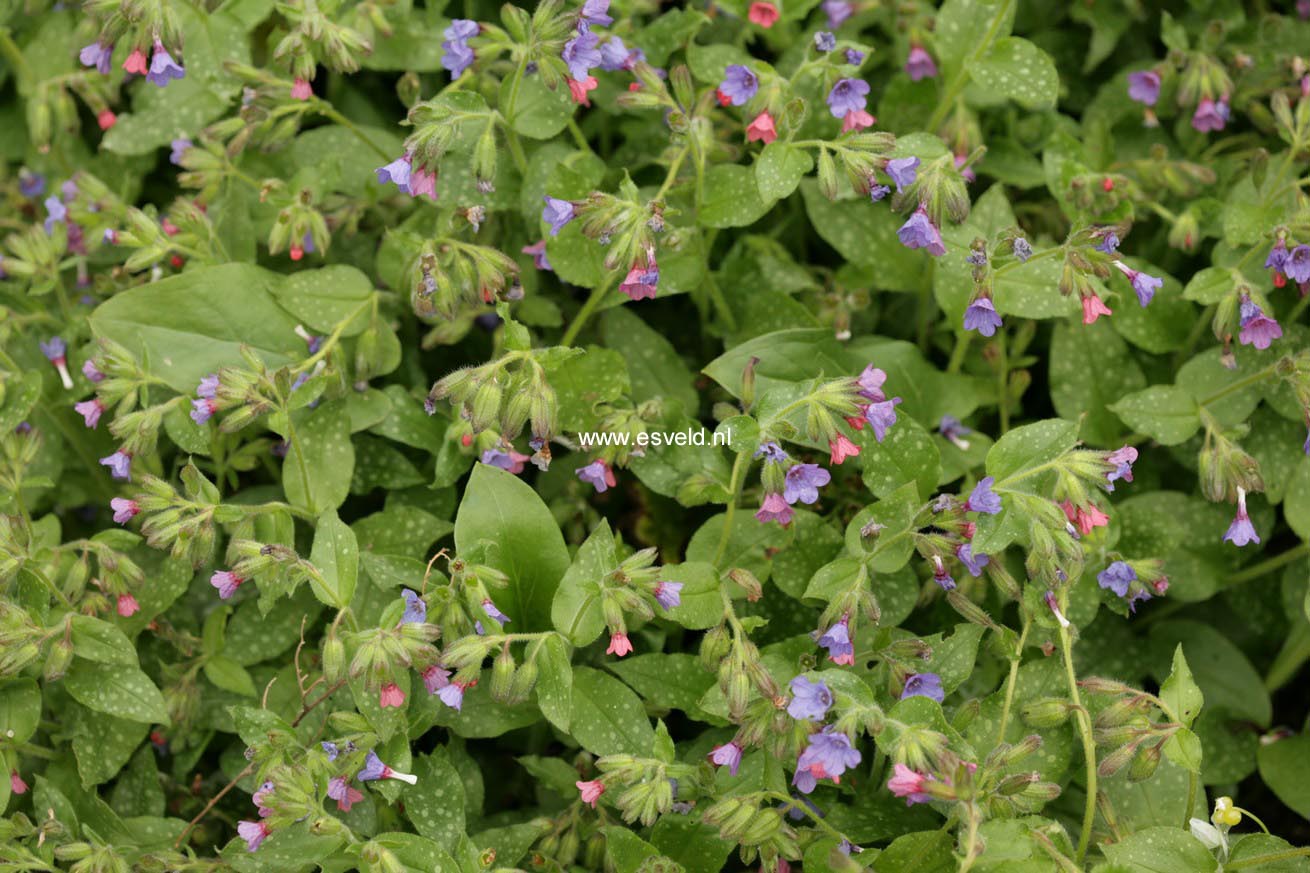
(619, 646)
(591, 791)
(106, 119)
(1084, 518)
(909, 784)
(761, 129)
(90, 410)
(16, 783)
(1094, 308)
(340, 790)
(301, 90)
(124, 510)
(579, 90)
(841, 449)
(391, 695)
(774, 508)
(763, 14)
(728, 755)
(136, 62)
(226, 582)
(127, 605)
(857, 119)
(920, 65)
(435, 678)
(253, 832)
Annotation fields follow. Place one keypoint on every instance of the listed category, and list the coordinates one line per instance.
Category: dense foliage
(853, 435)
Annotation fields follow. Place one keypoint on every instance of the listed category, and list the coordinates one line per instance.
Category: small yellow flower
(1225, 813)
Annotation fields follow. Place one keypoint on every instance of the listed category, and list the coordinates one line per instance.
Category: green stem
(1258, 376)
(330, 111)
(1257, 860)
(1089, 744)
(1255, 571)
(961, 77)
(958, 353)
(578, 137)
(1003, 382)
(797, 805)
(739, 468)
(588, 309)
(1012, 681)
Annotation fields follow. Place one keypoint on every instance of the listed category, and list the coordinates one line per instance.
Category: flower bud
(334, 657)
(56, 663)
(1046, 712)
(502, 676)
(1145, 763)
(714, 647)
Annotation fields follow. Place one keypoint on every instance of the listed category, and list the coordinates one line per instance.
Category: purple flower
(854, 57)
(983, 498)
(203, 409)
(416, 611)
(452, 695)
(597, 474)
(728, 755)
(163, 67)
(56, 211)
(373, 768)
(55, 349)
(461, 30)
(837, 11)
(848, 95)
(97, 55)
(331, 750)
(260, 796)
(810, 700)
(837, 640)
(878, 192)
(771, 452)
(595, 12)
(119, 464)
(981, 316)
(1123, 460)
(1144, 87)
(1109, 242)
(973, 563)
(90, 410)
(1022, 250)
(179, 150)
(903, 171)
(1258, 329)
(580, 54)
(924, 685)
(1297, 265)
(881, 416)
(1241, 531)
(614, 55)
(668, 594)
(803, 482)
(920, 64)
(1117, 577)
(456, 57)
(1144, 285)
(490, 609)
(828, 756)
(397, 171)
(253, 832)
(919, 232)
(869, 383)
(30, 185)
(208, 387)
(339, 790)
(1277, 259)
(954, 430)
(538, 252)
(824, 41)
(941, 575)
(557, 214)
(739, 85)
(1210, 115)
(226, 582)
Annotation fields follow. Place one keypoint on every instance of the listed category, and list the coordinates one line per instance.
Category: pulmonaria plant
(590, 436)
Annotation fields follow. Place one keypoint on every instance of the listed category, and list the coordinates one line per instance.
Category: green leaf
(577, 609)
(1220, 672)
(907, 454)
(1180, 691)
(626, 850)
(607, 718)
(666, 681)
(1166, 413)
(1078, 389)
(20, 709)
(539, 112)
(779, 168)
(103, 744)
(101, 641)
(1015, 68)
(320, 461)
(435, 804)
(118, 690)
(731, 197)
(555, 681)
(336, 555)
(499, 508)
(1019, 454)
(1285, 768)
(865, 235)
(229, 675)
(1184, 749)
(654, 367)
(1161, 850)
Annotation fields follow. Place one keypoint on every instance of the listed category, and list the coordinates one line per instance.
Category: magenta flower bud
(924, 685)
(774, 508)
(919, 64)
(253, 832)
(127, 605)
(728, 755)
(301, 89)
(1144, 87)
(590, 791)
(90, 410)
(124, 510)
(908, 784)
